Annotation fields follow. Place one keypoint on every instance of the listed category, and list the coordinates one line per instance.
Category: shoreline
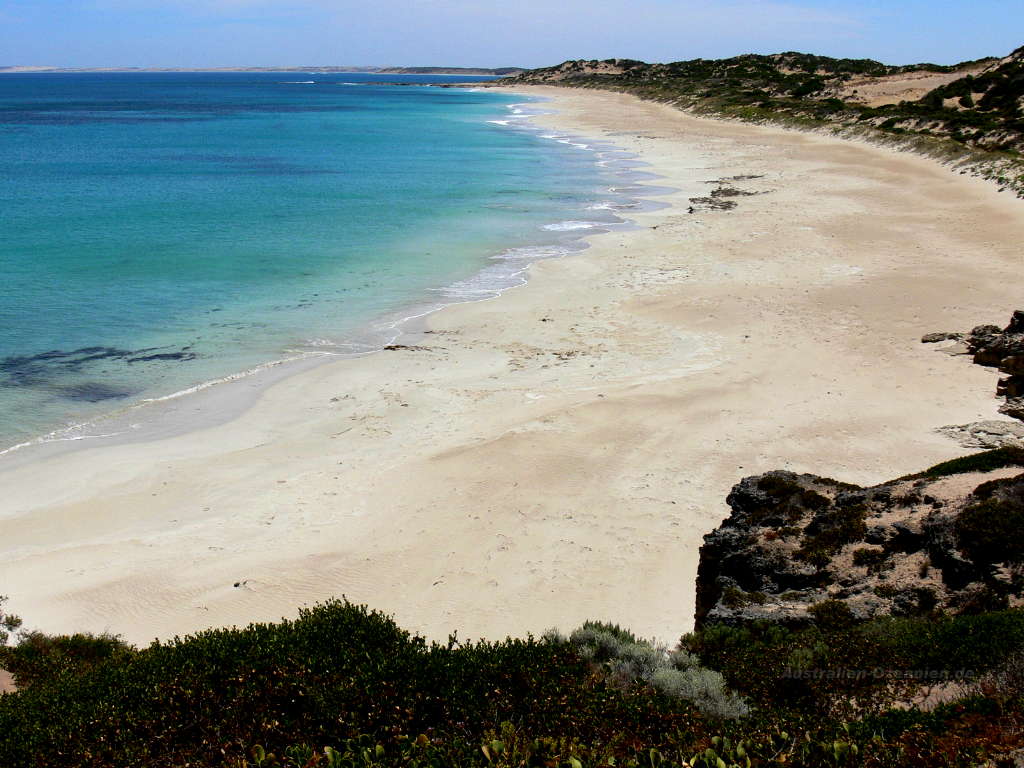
(207, 403)
(571, 440)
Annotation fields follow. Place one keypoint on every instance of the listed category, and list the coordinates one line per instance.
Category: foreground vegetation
(344, 686)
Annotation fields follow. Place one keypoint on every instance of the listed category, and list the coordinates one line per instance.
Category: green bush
(343, 686)
(754, 658)
(832, 614)
(991, 531)
(867, 557)
(42, 658)
(986, 461)
(830, 531)
(337, 672)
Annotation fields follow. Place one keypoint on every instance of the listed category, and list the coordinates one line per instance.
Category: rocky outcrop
(1000, 348)
(1003, 349)
(950, 540)
(986, 434)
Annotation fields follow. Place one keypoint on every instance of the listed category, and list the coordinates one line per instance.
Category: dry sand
(910, 86)
(558, 453)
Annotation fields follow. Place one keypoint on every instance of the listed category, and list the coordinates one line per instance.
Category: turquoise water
(161, 230)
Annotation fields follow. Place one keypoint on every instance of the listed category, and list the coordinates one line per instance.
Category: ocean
(160, 231)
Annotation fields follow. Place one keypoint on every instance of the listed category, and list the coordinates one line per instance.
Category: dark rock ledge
(950, 540)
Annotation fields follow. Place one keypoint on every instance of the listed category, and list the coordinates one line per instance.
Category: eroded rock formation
(950, 540)
(1003, 349)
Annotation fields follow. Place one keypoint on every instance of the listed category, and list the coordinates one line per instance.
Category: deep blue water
(158, 230)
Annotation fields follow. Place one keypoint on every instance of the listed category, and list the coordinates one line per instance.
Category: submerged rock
(44, 368)
(94, 392)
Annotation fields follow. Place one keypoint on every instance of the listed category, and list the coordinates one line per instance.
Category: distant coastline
(499, 72)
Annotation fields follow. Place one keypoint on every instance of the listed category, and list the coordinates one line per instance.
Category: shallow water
(161, 230)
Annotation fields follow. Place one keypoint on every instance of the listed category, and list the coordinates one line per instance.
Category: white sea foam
(297, 82)
(571, 143)
(508, 269)
(231, 377)
(573, 225)
(488, 283)
(63, 435)
(533, 253)
(610, 206)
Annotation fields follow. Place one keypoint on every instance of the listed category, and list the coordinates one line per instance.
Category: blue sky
(196, 33)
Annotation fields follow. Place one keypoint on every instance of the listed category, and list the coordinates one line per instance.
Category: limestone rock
(987, 434)
(934, 338)
(1014, 406)
(1001, 348)
(900, 548)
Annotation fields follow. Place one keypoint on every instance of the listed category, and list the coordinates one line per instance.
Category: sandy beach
(558, 453)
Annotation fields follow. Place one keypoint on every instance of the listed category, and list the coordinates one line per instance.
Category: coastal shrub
(866, 557)
(1007, 484)
(986, 461)
(637, 662)
(337, 672)
(757, 659)
(619, 633)
(596, 644)
(830, 531)
(790, 501)
(734, 597)
(1007, 678)
(344, 686)
(676, 674)
(704, 687)
(37, 657)
(832, 614)
(992, 531)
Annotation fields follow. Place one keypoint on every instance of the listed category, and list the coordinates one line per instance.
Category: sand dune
(892, 89)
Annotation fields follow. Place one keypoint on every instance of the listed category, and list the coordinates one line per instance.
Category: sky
(494, 33)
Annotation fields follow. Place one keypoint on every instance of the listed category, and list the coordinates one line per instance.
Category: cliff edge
(947, 540)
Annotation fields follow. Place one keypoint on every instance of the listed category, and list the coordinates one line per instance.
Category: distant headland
(499, 72)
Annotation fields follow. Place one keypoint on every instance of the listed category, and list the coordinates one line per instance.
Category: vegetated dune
(970, 112)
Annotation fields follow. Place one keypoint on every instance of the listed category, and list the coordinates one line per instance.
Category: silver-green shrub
(677, 673)
(704, 687)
